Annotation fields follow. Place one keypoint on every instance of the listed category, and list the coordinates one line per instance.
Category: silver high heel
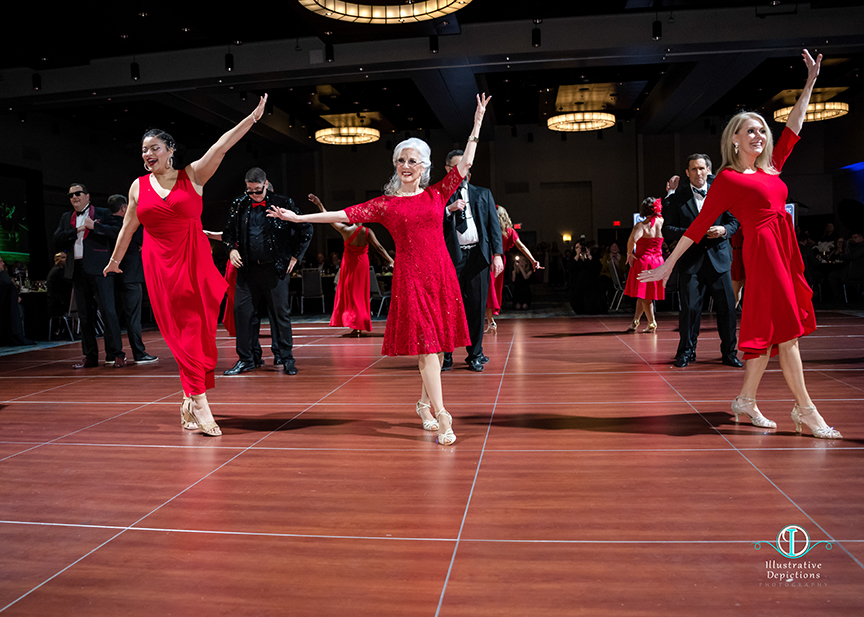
(740, 408)
(447, 437)
(428, 425)
(811, 417)
(187, 420)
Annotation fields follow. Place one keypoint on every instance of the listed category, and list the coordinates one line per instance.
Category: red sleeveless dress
(351, 307)
(496, 286)
(426, 313)
(778, 302)
(649, 255)
(184, 285)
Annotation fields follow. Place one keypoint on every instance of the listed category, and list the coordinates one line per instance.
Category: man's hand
(717, 231)
(234, 256)
(672, 184)
(497, 265)
(291, 265)
(459, 204)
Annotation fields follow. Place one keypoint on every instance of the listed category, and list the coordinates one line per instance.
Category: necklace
(401, 193)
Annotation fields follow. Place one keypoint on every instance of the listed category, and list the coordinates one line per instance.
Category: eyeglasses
(76, 194)
(258, 192)
(409, 162)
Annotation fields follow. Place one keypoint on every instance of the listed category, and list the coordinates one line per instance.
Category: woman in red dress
(185, 287)
(351, 308)
(426, 314)
(644, 252)
(510, 240)
(779, 306)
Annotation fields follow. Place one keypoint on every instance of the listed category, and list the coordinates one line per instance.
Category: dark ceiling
(68, 38)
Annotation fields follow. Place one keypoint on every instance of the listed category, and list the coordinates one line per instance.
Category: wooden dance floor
(590, 477)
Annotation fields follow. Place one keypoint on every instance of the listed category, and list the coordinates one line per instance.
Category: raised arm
(342, 228)
(203, 169)
(130, 225)
(799, 111)
(471, 147)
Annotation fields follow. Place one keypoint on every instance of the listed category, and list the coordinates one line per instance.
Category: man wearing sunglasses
(87, 234)
(264, 250)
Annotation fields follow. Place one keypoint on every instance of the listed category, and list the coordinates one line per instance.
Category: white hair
(425, 152)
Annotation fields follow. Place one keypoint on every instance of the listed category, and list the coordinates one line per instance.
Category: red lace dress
(351, 307)
(496, 285)
(184, 285)
(426, 313)
(649, 255)
(778, 303)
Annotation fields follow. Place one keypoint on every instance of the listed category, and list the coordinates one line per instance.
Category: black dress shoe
(289, 368)
(87, 363)
(684, 359)
(732, 361)
(146, 359)
(240, 368)
(259, 362)
(278, 361)
(475, 365)
(446, 365)
(484, 359)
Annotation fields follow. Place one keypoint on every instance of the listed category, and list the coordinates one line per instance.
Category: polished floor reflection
(590, 477)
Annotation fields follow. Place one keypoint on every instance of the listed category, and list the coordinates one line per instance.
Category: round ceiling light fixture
(578, 121)
(347, 135)
(393, 13)
(816, 111)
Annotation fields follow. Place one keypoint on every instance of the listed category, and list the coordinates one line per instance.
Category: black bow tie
(700, 191)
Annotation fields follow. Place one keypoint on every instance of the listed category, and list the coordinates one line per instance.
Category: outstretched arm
(799, 111)
(471, 147)
(342, 228)
(130, 225)
(285, 214)
(663, 272)
(524, 249)
(203, 169)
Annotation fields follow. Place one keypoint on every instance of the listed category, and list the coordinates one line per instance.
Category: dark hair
(453, 153)
(646, 209)
(696, 157)
(115, 202)
(161, 136)
(82, 185)
(256, 174)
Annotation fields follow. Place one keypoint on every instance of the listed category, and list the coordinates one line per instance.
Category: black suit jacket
(98, 242)
(679, 212)
(284, 240)
(131, 265)
(488, 228)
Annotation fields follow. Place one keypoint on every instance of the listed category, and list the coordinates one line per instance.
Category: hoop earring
(171, 162)
(146, 167)
(736, 148)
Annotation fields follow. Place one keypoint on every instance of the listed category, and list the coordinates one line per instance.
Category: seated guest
(10, 311)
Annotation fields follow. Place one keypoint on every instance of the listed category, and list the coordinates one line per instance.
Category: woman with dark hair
(779, 306)
(185, 287)
(644, 251)
(426, 313)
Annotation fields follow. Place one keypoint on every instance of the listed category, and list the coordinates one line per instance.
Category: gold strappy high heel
(633, 326)
(811, 417)
(651, 327)
(208, 428)
(428, 425)
(447, 437)
(187, 420)
(742, 406)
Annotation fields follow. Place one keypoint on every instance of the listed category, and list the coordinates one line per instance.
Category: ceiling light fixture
(816, 112)
(347, 135)
(393, 13)
(575, 122)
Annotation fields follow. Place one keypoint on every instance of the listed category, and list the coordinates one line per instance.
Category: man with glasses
(473, 236)
(87, 234)
(264, 250)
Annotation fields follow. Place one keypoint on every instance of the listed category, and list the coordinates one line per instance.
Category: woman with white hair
(779, 304)
(426, 314)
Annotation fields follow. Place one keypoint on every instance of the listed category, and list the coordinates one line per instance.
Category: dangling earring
(171, 162)
(736, 148)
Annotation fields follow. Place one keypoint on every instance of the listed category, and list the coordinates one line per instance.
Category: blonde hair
(731, 160)
(504, 219)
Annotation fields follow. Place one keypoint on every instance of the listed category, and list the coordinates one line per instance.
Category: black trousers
(692, 288)
(257, 283)
(92, 292)
(472, 270)
(132, 295)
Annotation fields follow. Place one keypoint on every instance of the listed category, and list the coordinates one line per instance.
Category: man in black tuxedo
(705, 266)
(131, 284)
(473, 236)
(264, 250)
(87, 234)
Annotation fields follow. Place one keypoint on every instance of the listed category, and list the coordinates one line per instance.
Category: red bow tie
(260, 203)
